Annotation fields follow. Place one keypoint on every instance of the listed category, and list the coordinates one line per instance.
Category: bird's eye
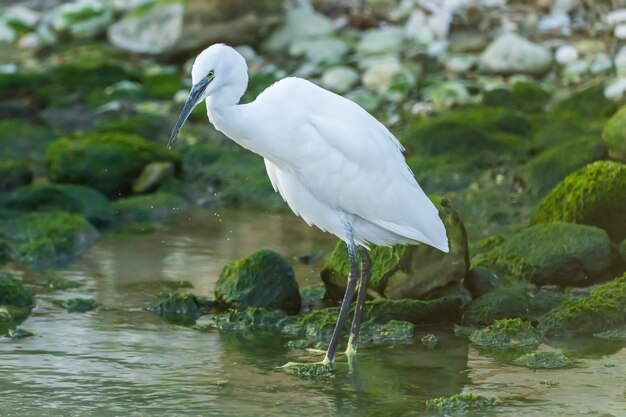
(210, 74)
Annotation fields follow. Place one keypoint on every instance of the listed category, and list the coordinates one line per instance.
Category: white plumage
(334, 164)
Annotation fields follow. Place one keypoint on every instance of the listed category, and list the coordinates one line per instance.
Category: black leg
(366, 273)
(345, 304)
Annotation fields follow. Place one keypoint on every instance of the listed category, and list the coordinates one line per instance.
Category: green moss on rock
(543, 360)
(24, 141)
(80, 305)
(460, 404)
(264, 279)
(248, 320)
(615, 134)
(14, 174)
(556, 253)
(145, 125)
(180, 307)
(163, 84)
(149, 207)
(603, 309)
(48, 239)
(551, 167)
(12, 292)
(108, 162)
(506, 301)
(588, 102)
(593, 195)
(506, 333)
(88, 202)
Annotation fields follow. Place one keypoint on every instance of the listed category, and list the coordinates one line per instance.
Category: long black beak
(192, 101)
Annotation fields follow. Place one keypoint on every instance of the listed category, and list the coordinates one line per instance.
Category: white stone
(510, 54)
(566, 54)
(321, 50)
(444, 95)
(380, 72)
(299, 24)
(416, 28)
(381, 41)
(555, 22)
(364, 98)
(7, 33)
(340, 79)
(616, 17)
(461, 63)
(616, 89)
(22, 15)
(620, 31)
(565, 6)
(82, 18)
(620, 61)
(29, 41)
(602, 63)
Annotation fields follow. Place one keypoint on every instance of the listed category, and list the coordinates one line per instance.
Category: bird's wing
(351, 161)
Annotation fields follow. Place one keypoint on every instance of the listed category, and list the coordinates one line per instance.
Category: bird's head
(218, 71)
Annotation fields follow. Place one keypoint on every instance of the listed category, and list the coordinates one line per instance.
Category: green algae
(460, 403)
(509, 300)
(615, 134)
(592, 195)
(12, 292)
(543, 360)
(183, 308)
(506, 333)
(149, 207)
(14, 174)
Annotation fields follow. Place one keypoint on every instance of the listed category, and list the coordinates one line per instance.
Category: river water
(121, 360)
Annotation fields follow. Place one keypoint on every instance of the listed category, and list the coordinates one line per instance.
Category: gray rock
(171, 27)
(340, 79)
(511, 54)
(381, 41)
(299, 25)
(326, 51)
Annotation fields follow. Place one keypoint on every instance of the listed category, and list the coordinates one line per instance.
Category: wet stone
(80, 305)
(460, 403)
(19, 333)
(309, 370)
(506, 333)
(543, 360)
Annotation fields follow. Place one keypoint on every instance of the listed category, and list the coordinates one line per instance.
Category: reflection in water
(122, 360)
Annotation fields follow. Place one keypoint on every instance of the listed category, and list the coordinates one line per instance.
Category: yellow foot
(314, 370)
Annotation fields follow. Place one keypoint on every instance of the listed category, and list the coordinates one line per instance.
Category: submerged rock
(511, 54)
(592, 195)
(49, 239)
(149, 207)
(89, 160)
(264, 279)
(180, 307)
(602, 310)
(249, 319)
(12, 292)
(543, 360)
(555, 253)
(406, 271)
(89, 203)
(80, 305)
(460, 403)
(506, 333)
(14, 174)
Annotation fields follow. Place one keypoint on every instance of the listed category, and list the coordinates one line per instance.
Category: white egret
(334, 164)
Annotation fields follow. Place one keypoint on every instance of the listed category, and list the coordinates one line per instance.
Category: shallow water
(123, 361)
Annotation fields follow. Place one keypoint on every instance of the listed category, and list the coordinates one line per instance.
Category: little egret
(334, 164)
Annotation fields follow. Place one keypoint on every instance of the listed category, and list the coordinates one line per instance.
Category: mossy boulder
(587, 102)
(405, 271)
(180, 307)
(264, 279)
(48, 239)
(24, 141)
(248, 320)
(593, 195)
(80, 305)
(196, 159)
(603, 309)
(162, 84)
(150, 126)
(556, 253)
(543, 360)
(510, 300)
(523, 96)
(108, 162)
(545, 171)
(14, 174)
(460, 404)
(149, 207)
(12, 292)
(506, 333)
(88, 202)
(615, 134)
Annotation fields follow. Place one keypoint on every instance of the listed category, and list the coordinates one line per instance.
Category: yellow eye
(210, 74)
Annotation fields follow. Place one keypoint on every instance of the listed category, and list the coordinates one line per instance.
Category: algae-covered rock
(88, 202)
(108, 162)
(180, 307)
(406, 271)
(602, 310)
(588, 102)
(618, 333)
(152, 176)
(21, 140)
(556, 253)
(14, 174)
(264, 279)
(545, 171)
(316, 370)
(196, 158)
(12, 292)
(149, 126)
(250, 319)
(506, 301)
(80, 305)
(523, 95)
(593, 195)
(433, 311)
(615, 135)
(543, 360)
(163, 84)
(312, 297)
(458, 404)
(506, 333)
(48, 239)
(149, 207)
(19, 333)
